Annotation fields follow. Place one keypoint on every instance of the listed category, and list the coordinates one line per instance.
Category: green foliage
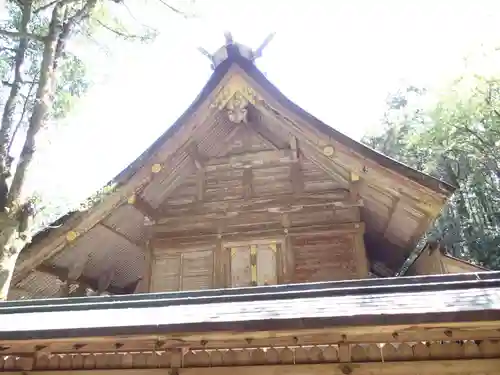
(455, 138)
(98, 196)
(72, 83)
(70, 79)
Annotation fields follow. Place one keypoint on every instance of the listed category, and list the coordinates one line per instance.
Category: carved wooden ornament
(131, 199)
(236, 108)
(71, 236)
(234, 97)
(156, 168)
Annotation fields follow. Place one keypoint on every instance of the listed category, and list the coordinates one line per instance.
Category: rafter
(142, 206)
(268, 135)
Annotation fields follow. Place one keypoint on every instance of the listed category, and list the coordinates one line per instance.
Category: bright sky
(336, 59)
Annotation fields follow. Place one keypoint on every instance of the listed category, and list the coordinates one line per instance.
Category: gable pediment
(397, 208)
(242, 140)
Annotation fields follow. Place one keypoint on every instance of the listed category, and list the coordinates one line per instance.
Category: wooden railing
(181, 358)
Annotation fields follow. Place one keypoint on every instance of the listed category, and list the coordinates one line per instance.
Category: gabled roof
(394, 181)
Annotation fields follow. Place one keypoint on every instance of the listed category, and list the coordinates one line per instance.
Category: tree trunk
(11, 247)
(11, 102)
(42, 105)
(14, 230)
(13, 225)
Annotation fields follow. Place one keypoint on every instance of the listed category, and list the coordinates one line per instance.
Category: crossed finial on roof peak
(224, 53)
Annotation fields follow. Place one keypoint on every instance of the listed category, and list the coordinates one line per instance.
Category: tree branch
(68, 27)
(51, 3)
(11, 84)
(173, 9)
(118, 32)
(21, 118)
(17, 34)
(44, 7)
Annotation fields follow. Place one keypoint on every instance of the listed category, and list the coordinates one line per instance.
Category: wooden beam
(219, 264)
(362, 265)
(247, 183)
(395, 201)
(354, 186)
(258, 159)
(200, 185)
(170, 239)
(198, 159)
(448, 367)
(82, 222)
(121, 235)
(143, 206)
(334, 199)
(285, 221)
(346, 212)
(350, 159)
(80, 291)
(294, 146)
(297, 178)
(424, 223)
(329, 166)
(267, 134)
(471, 366)
(476, 333)
(287, 252)
(296, 175)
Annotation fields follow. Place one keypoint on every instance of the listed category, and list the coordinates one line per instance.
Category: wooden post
(220, 266)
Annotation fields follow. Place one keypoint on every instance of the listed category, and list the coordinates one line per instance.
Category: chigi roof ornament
(231, 48)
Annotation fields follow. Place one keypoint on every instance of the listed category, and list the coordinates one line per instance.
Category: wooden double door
(253, 264)
(196, 268)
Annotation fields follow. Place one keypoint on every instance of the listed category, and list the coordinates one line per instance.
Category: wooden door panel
(197, 270)
(266, 264)
(241, 274)
(166, 274)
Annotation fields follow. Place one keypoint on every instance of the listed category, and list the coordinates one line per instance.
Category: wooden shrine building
(252, 234)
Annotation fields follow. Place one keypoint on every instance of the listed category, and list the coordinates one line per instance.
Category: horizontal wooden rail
(184, 358)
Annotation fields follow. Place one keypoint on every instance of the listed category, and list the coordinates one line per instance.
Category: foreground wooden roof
(372, 326)
(399, 202)
(371, 302)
